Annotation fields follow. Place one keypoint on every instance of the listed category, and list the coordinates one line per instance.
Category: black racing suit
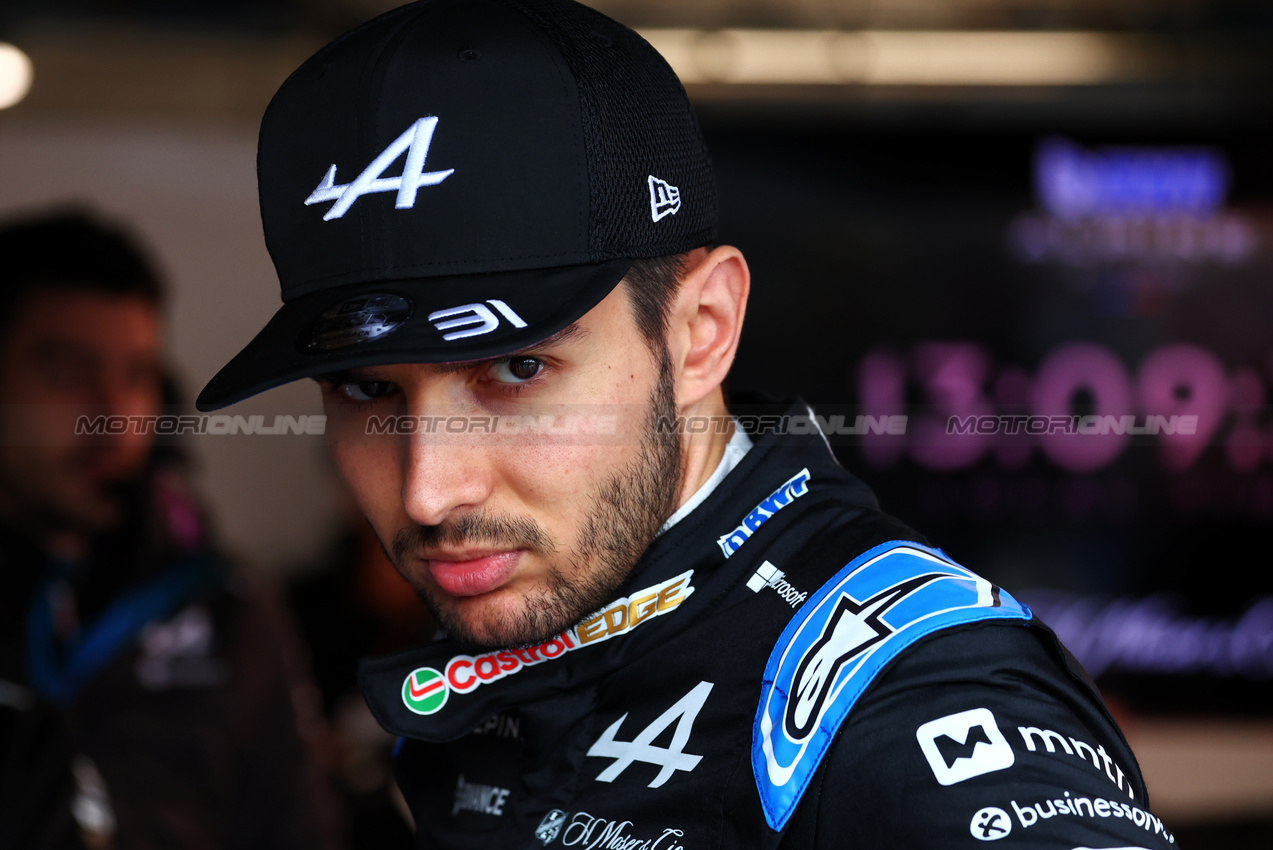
(786, 667)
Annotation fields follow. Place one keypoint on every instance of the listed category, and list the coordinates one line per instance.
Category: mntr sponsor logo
(961, 746)
(425, 691)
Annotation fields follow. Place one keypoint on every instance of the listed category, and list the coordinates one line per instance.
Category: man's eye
(365, 390)
(516, 370)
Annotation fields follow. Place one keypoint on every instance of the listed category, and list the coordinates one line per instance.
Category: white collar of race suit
(737, 447)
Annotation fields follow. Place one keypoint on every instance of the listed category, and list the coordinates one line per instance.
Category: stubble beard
(627, 511)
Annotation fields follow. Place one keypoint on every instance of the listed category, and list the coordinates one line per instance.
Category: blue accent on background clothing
(58, 672)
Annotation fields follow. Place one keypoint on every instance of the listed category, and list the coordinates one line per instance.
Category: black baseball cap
(458, 179)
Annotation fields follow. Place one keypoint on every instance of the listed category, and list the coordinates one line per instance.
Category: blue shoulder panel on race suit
(870, 611)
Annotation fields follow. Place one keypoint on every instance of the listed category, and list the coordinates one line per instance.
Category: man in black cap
(494, 221)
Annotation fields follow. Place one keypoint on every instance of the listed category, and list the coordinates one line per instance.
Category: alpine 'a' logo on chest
(642, 748)
(415, 143)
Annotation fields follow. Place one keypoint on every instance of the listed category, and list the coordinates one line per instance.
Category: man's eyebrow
(570, 333)
(343, 376)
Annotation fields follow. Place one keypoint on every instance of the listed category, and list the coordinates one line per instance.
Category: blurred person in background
(149, 697)
(352, 605)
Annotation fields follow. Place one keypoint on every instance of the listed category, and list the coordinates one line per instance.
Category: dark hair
(70, 249)
(652, 284)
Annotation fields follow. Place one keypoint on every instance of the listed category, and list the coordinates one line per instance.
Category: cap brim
(543, 300)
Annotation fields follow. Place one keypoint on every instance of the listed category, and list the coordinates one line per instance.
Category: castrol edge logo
(465, 673)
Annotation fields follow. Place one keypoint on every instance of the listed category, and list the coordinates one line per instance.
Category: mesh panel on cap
(637, 123)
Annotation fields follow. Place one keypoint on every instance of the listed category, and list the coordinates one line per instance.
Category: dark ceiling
(1235, 17)
(1192, 62)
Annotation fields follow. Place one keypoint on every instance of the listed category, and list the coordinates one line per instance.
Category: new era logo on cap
(665, 199)
(961, 746)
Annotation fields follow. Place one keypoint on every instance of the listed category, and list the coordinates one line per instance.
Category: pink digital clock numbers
(1081, 409)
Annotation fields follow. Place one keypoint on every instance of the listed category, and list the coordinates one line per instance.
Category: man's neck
(703, 451)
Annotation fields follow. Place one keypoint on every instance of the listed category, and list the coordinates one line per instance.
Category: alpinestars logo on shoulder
(874, 608)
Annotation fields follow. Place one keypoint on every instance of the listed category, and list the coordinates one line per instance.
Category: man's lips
(472, 575)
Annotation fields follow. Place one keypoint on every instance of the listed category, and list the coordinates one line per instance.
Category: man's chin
(489, 622)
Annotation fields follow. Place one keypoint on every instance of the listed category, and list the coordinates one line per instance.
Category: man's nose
(444, 473)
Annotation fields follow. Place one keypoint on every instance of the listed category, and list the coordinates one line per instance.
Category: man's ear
(706, 320)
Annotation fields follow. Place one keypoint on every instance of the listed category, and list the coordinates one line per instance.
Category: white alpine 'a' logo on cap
(665, 199)
(415, 142)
